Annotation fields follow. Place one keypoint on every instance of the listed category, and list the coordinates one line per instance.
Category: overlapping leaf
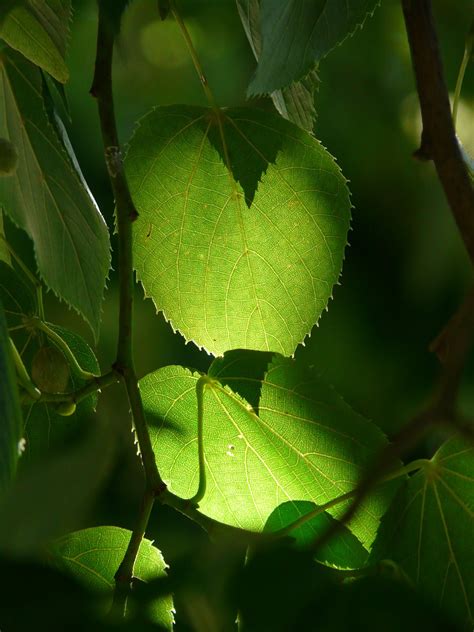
(297, 34)
(47, 198)
(93, 555)
(429, 528)
(238, 257)
(345, 551)
(291, 439)
(39, 29)
(295, 102)
(10, 414)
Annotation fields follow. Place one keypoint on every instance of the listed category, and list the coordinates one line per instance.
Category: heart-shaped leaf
(243, 220)
(429, 527)
(302, 442)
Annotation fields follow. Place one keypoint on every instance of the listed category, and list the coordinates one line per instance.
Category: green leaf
(48, 199)
(10, 414)
(297, 34)
(296, 102)
(47, 430)
(239, 258)
(92, 556)
(302, 443)
(342, 552)
(39, 29)
(51, 499)
(428, 529)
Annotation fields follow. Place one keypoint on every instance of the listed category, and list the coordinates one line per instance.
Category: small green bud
(66, 409)
(8, 158)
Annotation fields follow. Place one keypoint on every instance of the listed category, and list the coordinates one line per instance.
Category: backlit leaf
(244, 257)
(92, 556)
(297, 34)
(429, 528)
(39, 29)
(48, 199)
(302, 442)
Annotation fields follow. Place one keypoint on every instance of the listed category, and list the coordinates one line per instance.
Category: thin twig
(126, 214)
(97, 383)
(439, 142)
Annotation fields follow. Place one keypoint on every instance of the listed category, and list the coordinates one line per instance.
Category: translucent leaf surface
(244, 257)
(302, 442)
(429, 529)
(47, 198)
(44, 427)
(39, 29)
(297, 34)
(93, 555)
(296, 102)
(10, 414)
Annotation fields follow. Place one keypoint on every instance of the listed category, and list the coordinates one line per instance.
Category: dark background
(405, 271)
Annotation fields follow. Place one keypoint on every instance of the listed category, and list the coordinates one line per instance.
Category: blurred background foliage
(405, 271)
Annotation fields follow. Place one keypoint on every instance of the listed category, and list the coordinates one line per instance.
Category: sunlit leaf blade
(297, 34)
(306, 444)
(92, 556)
(429, 529)
(45, 429)
(46, 197)
(296, 102)
(10, 414)
(39, 29)
(245, 259)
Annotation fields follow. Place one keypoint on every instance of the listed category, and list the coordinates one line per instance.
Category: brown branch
(439, 142)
